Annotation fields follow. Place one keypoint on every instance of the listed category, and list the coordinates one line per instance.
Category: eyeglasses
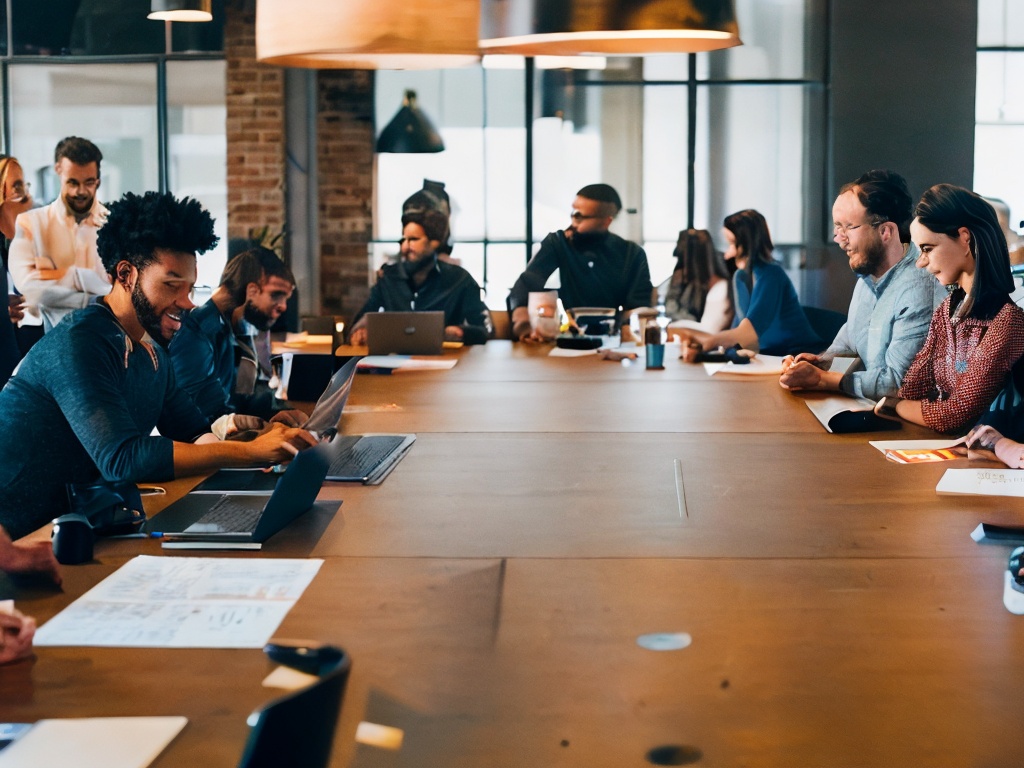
(89, 184)
(846, 229)
(577, 217)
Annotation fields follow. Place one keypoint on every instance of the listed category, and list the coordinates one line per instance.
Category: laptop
(366, 459)
(235, 517)
(405, 333)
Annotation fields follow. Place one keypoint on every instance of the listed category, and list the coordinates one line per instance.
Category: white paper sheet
(761, 365)
(915, 445)
(183, 602)
(406, 363)
(983, 482)
(93, 742)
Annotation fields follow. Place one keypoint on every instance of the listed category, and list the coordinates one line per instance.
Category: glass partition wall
(150, 94)
(684, 139)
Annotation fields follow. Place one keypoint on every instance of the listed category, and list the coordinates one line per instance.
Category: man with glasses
(53, 259)
(893, 300)
(215, 360)
(596, 268)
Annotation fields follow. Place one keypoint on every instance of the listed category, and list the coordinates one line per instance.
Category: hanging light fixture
(367, 34)
(410, 130)
(610, 27)
(180, 10)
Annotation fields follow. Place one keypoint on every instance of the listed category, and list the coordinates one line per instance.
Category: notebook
(405, 333)
(364, 459)
(240, 517)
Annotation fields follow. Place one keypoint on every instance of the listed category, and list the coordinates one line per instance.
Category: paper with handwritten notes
(983, 482)
(183, 602)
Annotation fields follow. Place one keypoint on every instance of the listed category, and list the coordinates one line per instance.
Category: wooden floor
(491, 592)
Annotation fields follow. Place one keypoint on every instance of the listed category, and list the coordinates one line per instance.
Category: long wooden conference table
(492, 590)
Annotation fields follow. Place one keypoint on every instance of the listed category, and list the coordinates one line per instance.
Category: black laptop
(240, 517)
(364, 459)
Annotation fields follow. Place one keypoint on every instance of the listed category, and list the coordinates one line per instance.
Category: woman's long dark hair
(753, 240)
(944, 209)
(697, 262)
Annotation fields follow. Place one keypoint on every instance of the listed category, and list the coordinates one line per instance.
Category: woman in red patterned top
(977, 333)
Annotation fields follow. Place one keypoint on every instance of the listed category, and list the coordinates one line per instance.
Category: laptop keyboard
(228, 516)
(362, 454)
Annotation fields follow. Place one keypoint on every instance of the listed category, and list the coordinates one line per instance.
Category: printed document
(183, 602)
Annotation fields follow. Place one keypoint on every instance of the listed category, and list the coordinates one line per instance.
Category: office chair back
(298, 728)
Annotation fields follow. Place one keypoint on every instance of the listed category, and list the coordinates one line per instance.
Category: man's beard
(148, 318)
(873, 256)
(257, 317)
(585, 241)
(412, 266)
(79, 205)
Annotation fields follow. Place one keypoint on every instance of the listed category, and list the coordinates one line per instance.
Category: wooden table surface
(491, 591)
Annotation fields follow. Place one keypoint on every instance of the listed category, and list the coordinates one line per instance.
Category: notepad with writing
(841, 415)
(982, 482)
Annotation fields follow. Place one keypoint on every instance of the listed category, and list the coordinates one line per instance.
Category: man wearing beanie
(597, 268)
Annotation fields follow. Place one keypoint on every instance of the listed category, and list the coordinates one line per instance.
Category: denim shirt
(887, 325)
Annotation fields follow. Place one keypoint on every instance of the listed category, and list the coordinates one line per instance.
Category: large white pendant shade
(181, 10)
(611, 27)
(367, 34)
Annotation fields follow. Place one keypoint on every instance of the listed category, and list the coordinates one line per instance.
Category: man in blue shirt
(84, 402)
(209, 363)
(893, 300)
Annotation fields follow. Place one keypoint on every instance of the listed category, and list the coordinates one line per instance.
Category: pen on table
(151, 535)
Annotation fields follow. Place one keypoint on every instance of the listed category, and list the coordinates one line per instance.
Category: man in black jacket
(597, 268)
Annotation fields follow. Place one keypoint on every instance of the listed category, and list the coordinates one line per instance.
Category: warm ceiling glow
(367, 34)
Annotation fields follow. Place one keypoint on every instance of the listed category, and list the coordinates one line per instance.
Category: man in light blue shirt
(892, 303)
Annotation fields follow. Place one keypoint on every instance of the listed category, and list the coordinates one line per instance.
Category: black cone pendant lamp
(410, 130)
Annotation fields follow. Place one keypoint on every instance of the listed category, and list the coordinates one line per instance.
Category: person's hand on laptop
(290, 418)
(453, 333)
(280, 443)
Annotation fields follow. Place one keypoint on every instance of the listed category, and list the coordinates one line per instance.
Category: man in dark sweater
(597, 268)
(84, 402)
(421, 282)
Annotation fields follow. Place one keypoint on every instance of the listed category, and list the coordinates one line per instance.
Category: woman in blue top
(768, 316)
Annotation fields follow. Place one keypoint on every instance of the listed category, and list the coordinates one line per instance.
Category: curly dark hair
(138, 225)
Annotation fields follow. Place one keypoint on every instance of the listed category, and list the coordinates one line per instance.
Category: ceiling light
(180, 10)
(610, 27)
(367, 34)
(410, 130)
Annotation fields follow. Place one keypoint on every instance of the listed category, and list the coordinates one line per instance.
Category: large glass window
(626, 122)
(197, 148)
(112, 105)
(999, 113)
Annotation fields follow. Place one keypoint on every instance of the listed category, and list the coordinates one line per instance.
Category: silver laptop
(405, 333)
(366, 459)
(246, 517)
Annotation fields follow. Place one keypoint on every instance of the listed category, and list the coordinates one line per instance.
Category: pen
(152, 535)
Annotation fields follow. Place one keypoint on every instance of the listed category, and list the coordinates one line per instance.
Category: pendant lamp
(410, 130)
(180, 10)
(609, 27)
(367, 34)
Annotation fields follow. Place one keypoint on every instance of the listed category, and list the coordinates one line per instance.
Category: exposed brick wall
(256, 159)
(345, 159)
(255, 128)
